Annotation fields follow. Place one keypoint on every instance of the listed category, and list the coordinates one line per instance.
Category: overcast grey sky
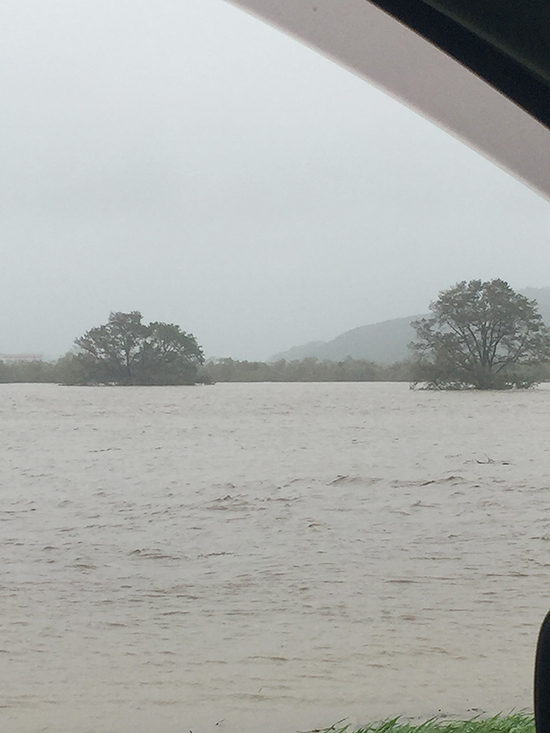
(183, 159)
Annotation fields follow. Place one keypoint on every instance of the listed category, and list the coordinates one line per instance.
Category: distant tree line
(29, 371)
(480, 335)
(309, 369)
(68, 370)
(126, 351)
(123, 351)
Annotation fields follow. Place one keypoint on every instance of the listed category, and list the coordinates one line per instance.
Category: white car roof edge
(372, 44)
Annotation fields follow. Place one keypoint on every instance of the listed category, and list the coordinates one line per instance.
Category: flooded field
(268, 557)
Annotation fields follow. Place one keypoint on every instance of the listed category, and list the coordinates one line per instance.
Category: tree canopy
(127, 351)
(482, 335)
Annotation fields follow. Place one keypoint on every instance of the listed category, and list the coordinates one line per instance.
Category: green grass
(514, 723)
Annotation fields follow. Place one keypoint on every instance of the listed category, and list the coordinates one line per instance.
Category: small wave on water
(281, 556)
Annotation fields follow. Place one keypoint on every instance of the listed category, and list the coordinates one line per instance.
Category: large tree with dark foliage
(482, 335)
(127, 351)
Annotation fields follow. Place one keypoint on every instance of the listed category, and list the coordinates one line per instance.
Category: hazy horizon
(268, 357)
(190, 162)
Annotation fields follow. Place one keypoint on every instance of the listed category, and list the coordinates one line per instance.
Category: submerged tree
(127, 351)
(482, 335)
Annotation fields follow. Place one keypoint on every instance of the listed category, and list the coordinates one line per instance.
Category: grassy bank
(515, 723)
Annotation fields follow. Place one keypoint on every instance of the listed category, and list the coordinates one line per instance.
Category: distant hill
(385, 342)
(542, 296)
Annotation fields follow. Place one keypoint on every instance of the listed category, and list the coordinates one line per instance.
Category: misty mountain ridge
(387, 341)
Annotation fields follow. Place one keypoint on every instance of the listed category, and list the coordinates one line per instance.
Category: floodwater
(268, 557)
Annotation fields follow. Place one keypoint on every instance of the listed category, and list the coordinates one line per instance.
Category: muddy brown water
(268, 557)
